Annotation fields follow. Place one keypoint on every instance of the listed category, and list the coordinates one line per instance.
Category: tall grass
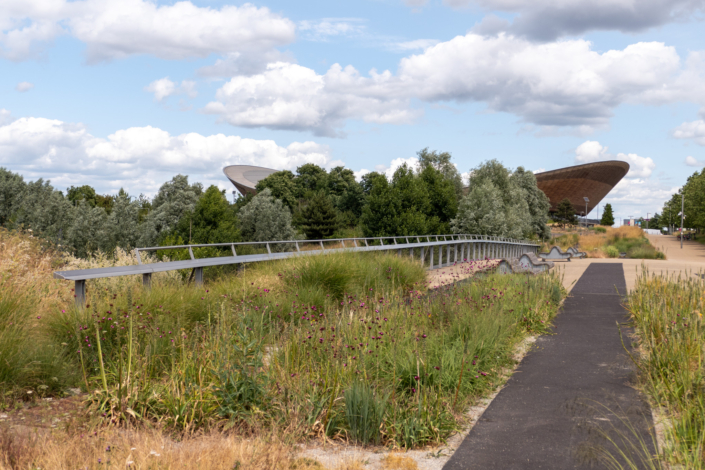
(667, 312)
(348, 346)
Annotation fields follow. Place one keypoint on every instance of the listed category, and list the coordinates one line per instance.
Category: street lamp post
(682, 216)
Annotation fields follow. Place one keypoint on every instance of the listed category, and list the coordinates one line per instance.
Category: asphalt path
(570, 394)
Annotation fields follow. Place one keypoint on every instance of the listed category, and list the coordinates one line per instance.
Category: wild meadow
(343, 347)
(667, 312)
(608, 242)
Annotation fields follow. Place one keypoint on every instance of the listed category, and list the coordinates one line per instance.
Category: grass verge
(341, 346)
(609, 242)
(667, 313)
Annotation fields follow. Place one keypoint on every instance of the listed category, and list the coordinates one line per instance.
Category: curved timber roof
(246, 177)
(592, 180)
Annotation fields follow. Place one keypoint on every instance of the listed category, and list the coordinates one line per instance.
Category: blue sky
(127, 94)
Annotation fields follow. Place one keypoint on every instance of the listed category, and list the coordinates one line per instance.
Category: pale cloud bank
(563, 84)
(138, 158)
(112, 30)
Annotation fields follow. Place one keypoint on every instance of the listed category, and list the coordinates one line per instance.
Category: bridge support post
(79, 291)
(199, 276)
(431, 250)
(147, 280)
(423, 256)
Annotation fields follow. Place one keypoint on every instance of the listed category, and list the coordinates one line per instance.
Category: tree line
(692, 195)
(311, 203)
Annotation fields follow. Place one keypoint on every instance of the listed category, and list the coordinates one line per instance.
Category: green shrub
(600, 230)
(612, 251)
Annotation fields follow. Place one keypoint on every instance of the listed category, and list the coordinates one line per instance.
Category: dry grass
(142, 450)
(398, 462)
(595, 243)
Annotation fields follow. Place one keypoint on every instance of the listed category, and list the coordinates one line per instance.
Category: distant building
(592, 180)
(246, 177)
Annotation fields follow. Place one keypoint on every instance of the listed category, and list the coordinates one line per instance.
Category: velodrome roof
(246, 177)
(592, 180)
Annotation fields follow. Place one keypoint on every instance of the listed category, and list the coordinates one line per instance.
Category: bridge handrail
(473, 237)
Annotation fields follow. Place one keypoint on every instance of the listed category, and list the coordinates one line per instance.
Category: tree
(310, 177)
(442, 196)
(87, 234)
(482, 212)
(607, 216)
(565, 212)
(319, 217)
(122, 223)
(265, 218)
(212, 220)
(497, 203)
(174, 199)
(78, 193)
(441, 162)
(282, 186)
(536, 200)
(399, 207)
(12, 186)
(43, 209)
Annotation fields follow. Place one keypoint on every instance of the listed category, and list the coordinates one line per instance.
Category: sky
(128, 94)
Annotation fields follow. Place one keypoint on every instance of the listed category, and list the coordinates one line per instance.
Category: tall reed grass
(343, 346)
(668, 314)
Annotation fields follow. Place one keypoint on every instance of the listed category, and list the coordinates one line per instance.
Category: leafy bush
(612, 251)
(600, 230)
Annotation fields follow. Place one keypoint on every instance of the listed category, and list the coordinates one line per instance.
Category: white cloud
(549, 19)
(289, 96)
(138, 158)
(416, 44)
(388, 170)
(691, 161)
(691, 130)
(591, 151)
(163, 88)
(564, 84)
(322, 30)
(113, 30)
(24, 86)
(415, 3)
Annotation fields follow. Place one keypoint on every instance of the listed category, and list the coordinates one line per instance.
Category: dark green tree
(442, 196)
(81, 193)
(607, 217)
(565, 213)
(441, 162)
(282, 186)
(310, 177)
(211, 221)
(319, 217)
(401, 207)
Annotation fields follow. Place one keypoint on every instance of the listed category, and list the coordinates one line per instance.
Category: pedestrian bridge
(433, 251)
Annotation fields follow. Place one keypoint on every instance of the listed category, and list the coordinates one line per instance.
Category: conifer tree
(607, 217)
(565, 212)
(320, 217)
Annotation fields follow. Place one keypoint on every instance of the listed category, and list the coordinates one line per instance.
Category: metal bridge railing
(457, 247)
